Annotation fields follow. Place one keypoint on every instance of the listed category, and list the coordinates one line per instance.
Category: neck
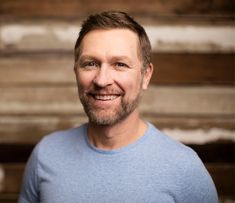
(118, 135)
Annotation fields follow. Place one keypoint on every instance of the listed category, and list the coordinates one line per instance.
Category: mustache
(104, 91)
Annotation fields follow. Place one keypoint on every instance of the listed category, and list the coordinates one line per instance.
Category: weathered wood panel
(8, 197)
(37, 84)
(223, 176)
(15, 153)
(188, 122)
(30, 129)
(190, 130)
(149, 8)
(216, 152)
(189, 100)
(37, 69)
(214, 101)
(29, 113)
(11, 177)
(164, 38)
(194, 68)
(170, 68)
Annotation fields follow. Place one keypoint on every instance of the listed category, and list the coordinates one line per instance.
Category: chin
(105, 120)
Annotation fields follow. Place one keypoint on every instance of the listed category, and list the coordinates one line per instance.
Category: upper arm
(30, 184)
(197, 184)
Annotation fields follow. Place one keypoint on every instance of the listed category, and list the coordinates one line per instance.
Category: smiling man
(116, 156)
(111, 77)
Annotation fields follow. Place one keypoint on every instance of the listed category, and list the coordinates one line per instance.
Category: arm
(197, 185)
(30, 185)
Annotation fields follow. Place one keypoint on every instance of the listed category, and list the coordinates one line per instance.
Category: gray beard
(121, 112)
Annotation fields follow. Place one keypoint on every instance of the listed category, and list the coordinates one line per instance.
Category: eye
(121, 65)
(89, 64)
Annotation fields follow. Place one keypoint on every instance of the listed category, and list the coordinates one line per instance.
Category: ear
(147, 74)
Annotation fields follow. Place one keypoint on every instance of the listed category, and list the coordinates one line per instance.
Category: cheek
(84, 80)
(130, 83)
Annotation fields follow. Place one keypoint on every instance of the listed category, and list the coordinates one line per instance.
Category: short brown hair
(114, 20)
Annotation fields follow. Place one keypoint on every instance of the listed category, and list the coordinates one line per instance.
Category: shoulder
(189, 172)
(172, 152)
(65, 137)
(57, 144)
(167, 146)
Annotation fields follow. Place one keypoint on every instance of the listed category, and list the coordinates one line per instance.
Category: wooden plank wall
(191, 97)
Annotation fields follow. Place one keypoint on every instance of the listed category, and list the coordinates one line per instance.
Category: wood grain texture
(214, 101)
(30, 129)
(12, 178)
(8, 197)
(189, 100)
(150, 8)
(223, 177)
(192, 90)
(170, 69)
(194, 68)
(61, 36)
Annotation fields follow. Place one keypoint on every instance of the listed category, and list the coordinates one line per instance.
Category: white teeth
(105, 97)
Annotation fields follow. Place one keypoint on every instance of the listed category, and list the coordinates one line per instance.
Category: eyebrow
(116, 58)
(86, 57)
(112, 58)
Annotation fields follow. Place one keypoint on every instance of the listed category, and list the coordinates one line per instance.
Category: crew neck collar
(122, 149)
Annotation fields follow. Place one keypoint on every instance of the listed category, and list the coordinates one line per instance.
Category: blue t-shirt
(65, 168)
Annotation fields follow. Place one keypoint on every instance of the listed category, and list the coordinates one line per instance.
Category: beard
(111, 116)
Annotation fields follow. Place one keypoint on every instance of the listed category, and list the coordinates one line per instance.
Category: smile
(105, 97)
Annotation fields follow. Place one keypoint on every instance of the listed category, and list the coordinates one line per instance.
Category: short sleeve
(30, 184)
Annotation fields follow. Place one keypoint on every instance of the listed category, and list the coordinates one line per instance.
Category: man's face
(109, 75)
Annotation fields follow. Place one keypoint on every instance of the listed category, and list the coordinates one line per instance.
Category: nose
(103, 77)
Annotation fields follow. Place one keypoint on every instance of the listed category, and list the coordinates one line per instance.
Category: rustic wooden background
(192, 94)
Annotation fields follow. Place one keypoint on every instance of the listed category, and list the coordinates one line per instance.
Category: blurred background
(191, 97)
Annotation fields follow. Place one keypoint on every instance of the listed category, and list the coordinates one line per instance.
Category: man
(116, 156)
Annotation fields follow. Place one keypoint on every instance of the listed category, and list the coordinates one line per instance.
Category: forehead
(111, 42)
